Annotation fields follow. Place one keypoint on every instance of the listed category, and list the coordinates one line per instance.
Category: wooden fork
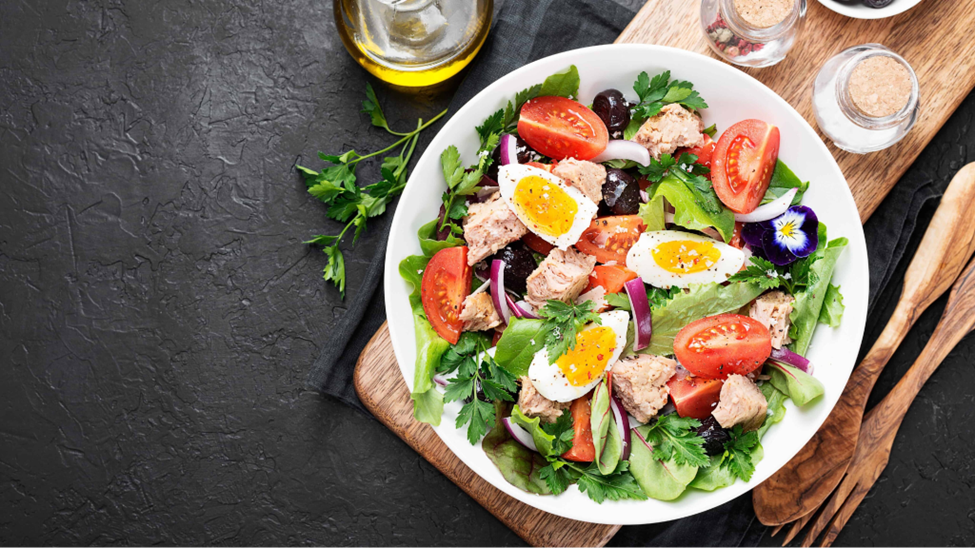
(880, 425)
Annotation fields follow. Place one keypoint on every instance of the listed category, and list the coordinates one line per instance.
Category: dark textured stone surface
(158, 313)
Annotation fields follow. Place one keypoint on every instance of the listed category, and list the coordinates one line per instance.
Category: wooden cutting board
(935, 38)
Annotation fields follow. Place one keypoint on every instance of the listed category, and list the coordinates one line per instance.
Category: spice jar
(752, 33)
(866, 98)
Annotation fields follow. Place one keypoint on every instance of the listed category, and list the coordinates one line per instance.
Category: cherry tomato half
(446, 283)
(610, 278)
(694, 397)
(561, 128)
(743, 162)
(727, 344)
(610, 238)
(703, 152)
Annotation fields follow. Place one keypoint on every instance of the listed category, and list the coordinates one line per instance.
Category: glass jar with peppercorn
(752, 33)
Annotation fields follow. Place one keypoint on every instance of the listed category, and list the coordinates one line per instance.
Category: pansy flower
(790, 236)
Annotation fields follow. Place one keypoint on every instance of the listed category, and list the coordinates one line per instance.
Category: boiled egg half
(575, 373)
(666, 258)
(550, 208)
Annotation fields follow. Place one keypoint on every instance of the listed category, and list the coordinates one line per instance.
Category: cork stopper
(879, 86)
(763, 14)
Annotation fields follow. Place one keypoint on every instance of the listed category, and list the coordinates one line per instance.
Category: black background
(159, 313)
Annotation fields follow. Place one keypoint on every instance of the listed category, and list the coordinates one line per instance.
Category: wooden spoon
(803, 483)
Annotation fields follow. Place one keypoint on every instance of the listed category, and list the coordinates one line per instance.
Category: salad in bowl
(617, 298)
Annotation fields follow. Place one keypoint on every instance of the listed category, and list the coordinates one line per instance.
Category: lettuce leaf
(801, 387)
(716, 476)
(605, 436)
(776, 407)
(833, 307)
(784, 180)
(809, 303)
(543, 440)
(519, 343)
(653, 213)
(699, 302)
(658, 479)
(518, 464)
(688, 213)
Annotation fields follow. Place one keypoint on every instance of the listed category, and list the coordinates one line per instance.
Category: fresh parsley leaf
(335, 269)
(711, 130)
(619, 485)
(738, 453)
(565, 320)
(674, 438)
(490, 130)
(558, 476)
(475, 368)
(453, 170)
(792, 278)
(686, 170)
(563, 431)
(656, 295)
(659, 91)
(478, 415)
(513, 110)
(370, 105)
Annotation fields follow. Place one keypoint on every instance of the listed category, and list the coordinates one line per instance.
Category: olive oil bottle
(413, 43)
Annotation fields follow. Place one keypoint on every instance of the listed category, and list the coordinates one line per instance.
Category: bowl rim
(859, 11)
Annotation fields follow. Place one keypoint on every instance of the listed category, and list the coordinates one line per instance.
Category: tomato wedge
(727, 344)
(561, 128)
(610, 238)
(694, 397)
(536, 243)
(703, 152)
(610, 278)
(743, 162)
(736, 240)
(583, 449)
(446, 283)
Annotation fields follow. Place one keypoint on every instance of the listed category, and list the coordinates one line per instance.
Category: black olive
(714, 436)
(519, 263)
(525, 154)
(612, 108)
(621, 193)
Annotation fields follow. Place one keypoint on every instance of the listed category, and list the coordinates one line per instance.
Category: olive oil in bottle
(413, 43)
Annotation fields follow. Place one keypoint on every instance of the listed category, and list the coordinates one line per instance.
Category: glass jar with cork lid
(866, 98)
(752, 33)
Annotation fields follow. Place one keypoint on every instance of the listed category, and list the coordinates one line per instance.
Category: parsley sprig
(565, 321)
(559, 474)
(476, 369)
(792, 278)
(336, 186)
(688, 171)
(674, 438)
(659, 91)
(737, 457)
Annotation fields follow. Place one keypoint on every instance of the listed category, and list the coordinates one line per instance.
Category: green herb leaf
(562, 84)
(693, 207)
(659, 479)
(519, 343)
(674, 439)
(738, 453)
(565, 321)
(619, 485)
(606, 438)
(513, 110)
(659, 91)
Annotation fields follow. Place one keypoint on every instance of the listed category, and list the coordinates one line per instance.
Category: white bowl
(859, 11)
(732, 96)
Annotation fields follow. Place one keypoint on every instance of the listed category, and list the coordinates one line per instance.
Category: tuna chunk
(479, 313)
(587, 176)
(562, 276)
(598, 297)
(672, 128)
(534, 404)
(640, 382)
(489, 226)
(741, 403)
(772, 310)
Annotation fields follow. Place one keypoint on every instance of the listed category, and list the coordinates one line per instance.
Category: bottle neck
(742, 28)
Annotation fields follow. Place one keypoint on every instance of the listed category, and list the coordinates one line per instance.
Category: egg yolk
(584, 363)
(547, 208)
(685, 256)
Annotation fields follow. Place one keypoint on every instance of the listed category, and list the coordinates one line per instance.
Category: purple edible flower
(790, 236)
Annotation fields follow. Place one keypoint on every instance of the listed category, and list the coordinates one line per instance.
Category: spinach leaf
(699, 302)
(660, 480)
(430, 347)
(716, 476)
(809, 303)
(784, 180)
(562, 84)
(518, 464)
(605, 436)
(519, 343)
(833, 307)
(801, 387)
(688, 212)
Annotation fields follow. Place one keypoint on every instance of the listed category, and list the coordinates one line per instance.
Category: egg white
(549, 380)
(511, 174)
(640, 260)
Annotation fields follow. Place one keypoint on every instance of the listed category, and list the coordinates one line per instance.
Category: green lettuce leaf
(833, 307)
(688, 213)
(776, 407)
(518, 464)
(519, 343)
(653, 213)
(430, 347)
(605, 436)
(801, 387)
(543, 440)
(784, 180)
(809, 303)
(659, 480)
(428, 239)
(699, 302)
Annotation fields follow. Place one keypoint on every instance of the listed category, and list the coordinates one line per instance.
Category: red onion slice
(497, 290)
(788, 357)
(512, 306)
(519, 434)
(525, 310)
(644, 197)
(642, 318)
(770, 210)
(623, 426)
(440, 379)
(509, 149)
(619, 149)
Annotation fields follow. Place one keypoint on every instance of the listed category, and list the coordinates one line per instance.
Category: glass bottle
(837, 114)
(744, 43)
(413, 43)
